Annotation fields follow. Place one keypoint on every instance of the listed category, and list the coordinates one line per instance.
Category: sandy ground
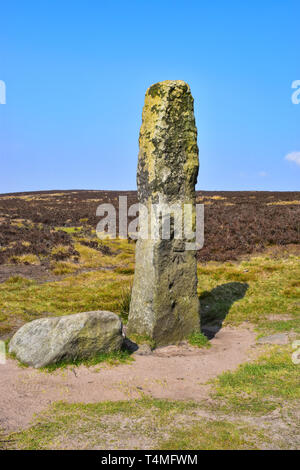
(173, 372)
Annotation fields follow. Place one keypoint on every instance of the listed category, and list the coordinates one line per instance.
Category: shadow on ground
(215, 305)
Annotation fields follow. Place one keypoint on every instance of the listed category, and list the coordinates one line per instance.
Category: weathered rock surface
(143, 350)
(82, 335)
(278, 338)
(165, 305)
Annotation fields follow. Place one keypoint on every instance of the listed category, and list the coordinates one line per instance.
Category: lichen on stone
(164, 303)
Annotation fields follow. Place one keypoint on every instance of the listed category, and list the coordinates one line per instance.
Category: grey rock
(143, 350)
(164, 304)
(279, 338)
(79, 336)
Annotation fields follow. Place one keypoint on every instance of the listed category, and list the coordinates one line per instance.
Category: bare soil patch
(175, 372)
(38, 273)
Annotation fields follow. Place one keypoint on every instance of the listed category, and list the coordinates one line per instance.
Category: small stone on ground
(278, 338)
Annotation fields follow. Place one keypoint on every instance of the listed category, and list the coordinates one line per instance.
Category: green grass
(4, 442)
(212, 435)
(25, 259)
(70, 230)
(199, 340)
(129, 424)
(143, 339)
(250, 291)
(124, 303)
(89, 423)
(281, 326)
(127, 270)
(112, 358)
(262, 386)
(28, 300)
(64, 267)
(230, 293)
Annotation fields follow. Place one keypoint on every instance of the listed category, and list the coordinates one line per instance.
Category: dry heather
(236, 223)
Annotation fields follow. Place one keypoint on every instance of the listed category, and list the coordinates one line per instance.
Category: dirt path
(174, 372)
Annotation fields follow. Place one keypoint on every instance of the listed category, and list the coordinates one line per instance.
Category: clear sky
(76, 73)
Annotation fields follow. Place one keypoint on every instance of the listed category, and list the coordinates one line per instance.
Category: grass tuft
(63, 267)
(211, 435)
(113, 358)
(262, 386)
(124, 303)
(199, 340)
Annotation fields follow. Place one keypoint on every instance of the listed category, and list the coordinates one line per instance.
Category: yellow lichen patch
(168, 119)
(150, 119)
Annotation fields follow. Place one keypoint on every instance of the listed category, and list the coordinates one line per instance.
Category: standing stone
(165, 306)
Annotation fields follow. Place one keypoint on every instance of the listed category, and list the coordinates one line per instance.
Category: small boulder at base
(80, 336)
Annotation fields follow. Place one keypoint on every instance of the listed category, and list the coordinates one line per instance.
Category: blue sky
(76, 73)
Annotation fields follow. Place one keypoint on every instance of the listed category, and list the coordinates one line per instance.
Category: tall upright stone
(165, 305)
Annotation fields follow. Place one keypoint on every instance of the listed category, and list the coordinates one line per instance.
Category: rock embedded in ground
(165, 304)
(80, 336)
(143, 350)
(279, 338)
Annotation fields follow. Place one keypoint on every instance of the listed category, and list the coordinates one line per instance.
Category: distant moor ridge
(236, 223)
